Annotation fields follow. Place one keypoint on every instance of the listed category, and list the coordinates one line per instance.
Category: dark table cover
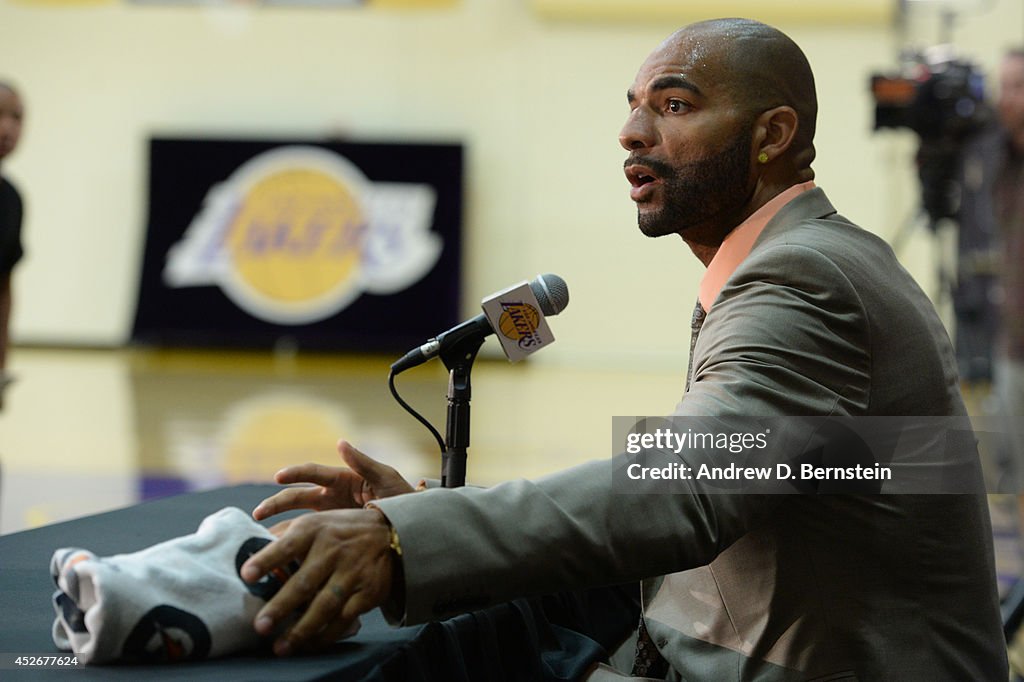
(555, 637)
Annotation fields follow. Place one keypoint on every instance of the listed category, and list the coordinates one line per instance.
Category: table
(554, 637)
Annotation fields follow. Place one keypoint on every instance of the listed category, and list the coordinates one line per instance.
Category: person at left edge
(11, 115)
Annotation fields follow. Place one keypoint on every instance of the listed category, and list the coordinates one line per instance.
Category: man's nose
(638, 132)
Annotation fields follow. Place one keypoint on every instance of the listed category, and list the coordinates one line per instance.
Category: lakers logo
(296, 241)
(519, 322)
(298, 233)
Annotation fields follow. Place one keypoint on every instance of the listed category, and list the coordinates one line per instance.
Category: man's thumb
(364, 465)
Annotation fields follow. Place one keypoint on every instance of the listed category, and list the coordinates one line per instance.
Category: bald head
(721, 121)
(760, 67)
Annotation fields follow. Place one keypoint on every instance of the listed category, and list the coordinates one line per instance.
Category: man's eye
(677, 106)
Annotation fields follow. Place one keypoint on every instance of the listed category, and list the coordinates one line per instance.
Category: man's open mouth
(639, 176)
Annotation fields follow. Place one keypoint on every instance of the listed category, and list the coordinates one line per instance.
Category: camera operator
(11, 112)
(989, 298)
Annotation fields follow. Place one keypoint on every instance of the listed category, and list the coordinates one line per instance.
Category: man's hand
(347, 566)
(365, 480)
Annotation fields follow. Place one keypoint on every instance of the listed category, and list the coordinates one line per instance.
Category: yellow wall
(538, 102)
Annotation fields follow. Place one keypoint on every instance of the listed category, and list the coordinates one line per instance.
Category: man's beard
(694, 192)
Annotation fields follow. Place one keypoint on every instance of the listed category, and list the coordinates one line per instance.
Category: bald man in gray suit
(800, 313)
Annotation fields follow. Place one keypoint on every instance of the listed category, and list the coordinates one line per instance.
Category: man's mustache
(660, 168)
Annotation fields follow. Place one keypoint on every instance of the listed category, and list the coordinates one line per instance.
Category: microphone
(552, 295)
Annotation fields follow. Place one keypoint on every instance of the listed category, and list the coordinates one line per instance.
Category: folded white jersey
(180, 600)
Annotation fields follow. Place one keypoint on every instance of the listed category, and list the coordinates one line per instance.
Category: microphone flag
(517, 318)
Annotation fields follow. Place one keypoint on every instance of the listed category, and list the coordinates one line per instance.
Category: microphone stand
(459, 361)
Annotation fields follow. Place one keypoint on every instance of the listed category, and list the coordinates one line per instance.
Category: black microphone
(552, 294)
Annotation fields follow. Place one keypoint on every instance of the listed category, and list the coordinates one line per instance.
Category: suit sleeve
(767, 348)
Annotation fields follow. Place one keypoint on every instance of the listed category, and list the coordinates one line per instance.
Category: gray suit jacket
(819, 319)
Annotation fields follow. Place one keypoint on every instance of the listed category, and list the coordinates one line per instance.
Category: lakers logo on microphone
(519, 322)
(517, 317)
(296, 234)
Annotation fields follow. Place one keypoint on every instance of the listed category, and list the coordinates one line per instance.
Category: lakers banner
(329, 246)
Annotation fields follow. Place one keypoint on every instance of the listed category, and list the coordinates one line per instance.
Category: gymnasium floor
(84, 431)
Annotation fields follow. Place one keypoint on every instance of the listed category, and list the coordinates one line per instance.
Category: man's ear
(774, 132)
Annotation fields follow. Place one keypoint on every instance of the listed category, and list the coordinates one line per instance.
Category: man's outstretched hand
(363, 481)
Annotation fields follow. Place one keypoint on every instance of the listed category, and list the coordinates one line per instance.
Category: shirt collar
(738, 243)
